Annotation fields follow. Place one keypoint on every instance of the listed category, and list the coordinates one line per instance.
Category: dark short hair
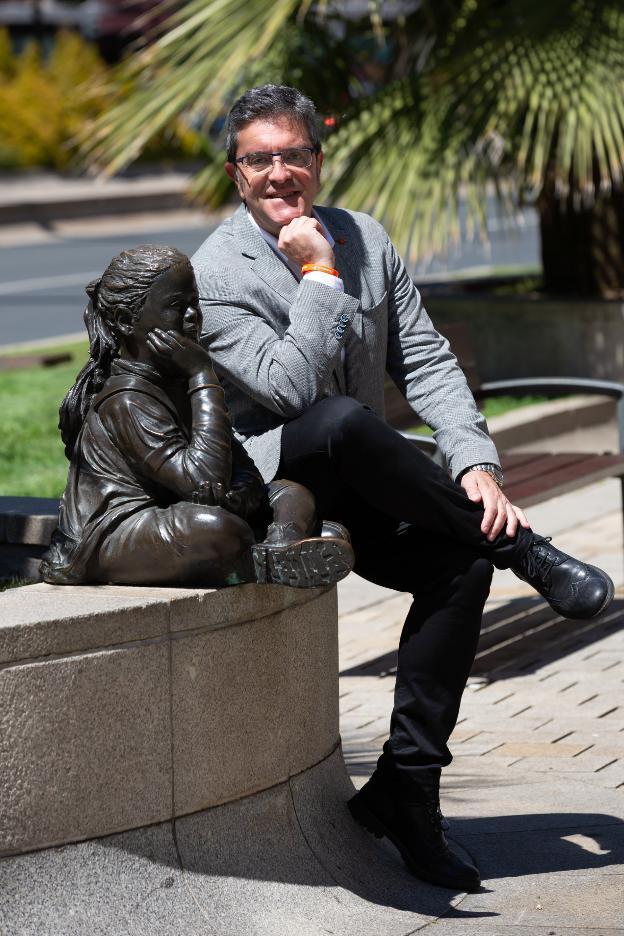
(269, 102)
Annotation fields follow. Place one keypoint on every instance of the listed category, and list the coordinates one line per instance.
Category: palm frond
(544, 82)
(190, 69)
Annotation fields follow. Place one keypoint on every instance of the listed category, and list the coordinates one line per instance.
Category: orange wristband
(318, 268)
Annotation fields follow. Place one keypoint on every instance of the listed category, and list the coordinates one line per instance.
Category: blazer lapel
(265, 262)
(350, 272)
(346, 263)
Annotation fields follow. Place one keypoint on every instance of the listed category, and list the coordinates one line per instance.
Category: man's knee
(347, 419)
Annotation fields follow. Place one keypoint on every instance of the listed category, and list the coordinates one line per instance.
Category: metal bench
(530, 478)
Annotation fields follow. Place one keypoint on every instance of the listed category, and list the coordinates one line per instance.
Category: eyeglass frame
(310, 149)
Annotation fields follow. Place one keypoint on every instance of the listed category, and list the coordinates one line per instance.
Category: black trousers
(414, 530)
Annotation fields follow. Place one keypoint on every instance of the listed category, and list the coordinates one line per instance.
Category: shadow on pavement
(518, 638)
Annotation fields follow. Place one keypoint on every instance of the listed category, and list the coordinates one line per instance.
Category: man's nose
(279, 170)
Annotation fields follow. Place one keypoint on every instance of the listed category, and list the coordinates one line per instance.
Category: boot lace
(538, 563)
(435, 816)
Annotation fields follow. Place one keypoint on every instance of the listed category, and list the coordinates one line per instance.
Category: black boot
(288, 557)
(410, 817)
(572, 588)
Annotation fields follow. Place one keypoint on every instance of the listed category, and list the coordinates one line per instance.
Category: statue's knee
(210, 531)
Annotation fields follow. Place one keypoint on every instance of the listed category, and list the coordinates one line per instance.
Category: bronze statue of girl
(159, 491)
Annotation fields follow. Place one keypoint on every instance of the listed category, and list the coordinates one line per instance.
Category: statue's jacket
(139, 449)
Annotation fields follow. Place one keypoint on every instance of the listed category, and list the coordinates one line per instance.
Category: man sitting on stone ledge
(304, 310)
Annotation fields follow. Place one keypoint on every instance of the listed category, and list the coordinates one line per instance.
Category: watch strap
(493, 470)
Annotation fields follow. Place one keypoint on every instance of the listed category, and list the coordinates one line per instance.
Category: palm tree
(526, 96)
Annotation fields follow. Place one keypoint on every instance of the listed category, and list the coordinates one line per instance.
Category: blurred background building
(112, 25)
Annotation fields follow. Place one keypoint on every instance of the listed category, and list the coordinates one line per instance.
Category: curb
(44, 199)
(45, 212)
(545, 420)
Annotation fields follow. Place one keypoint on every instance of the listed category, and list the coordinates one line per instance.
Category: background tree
(522, 95)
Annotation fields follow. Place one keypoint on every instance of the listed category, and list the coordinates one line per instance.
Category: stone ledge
(121, 706)
(43, 620)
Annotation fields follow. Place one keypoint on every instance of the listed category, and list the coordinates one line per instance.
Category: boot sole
(306, 564)
(369, 821)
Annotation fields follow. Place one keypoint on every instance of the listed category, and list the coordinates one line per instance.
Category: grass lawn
(32, 460)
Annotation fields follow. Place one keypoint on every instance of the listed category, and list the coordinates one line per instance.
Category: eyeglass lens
(296, 158)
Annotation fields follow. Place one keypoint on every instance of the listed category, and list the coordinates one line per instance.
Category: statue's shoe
(287, 558)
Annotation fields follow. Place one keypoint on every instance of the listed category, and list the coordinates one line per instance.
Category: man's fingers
(500, 519)
(490, 515)
(471, 487)
(512, 521)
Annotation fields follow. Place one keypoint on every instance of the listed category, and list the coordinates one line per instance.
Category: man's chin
(285, 214)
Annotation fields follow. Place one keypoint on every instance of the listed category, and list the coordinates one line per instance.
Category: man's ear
(320, 156)
(232, 171)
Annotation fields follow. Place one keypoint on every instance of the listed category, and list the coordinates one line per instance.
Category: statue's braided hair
(121, 291)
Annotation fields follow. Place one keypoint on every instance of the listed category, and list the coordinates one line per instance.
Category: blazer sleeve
(426, 371)
(285, 372)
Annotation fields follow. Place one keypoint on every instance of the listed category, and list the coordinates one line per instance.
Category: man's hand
(498, 512)
(303, 241)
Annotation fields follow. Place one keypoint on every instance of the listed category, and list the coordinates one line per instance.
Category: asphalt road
(42, 284)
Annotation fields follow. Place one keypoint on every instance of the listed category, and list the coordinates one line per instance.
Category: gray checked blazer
(277, 344)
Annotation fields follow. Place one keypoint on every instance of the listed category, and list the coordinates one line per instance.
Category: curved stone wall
(121, 707)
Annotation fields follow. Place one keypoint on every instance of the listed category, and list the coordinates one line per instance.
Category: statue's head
(141, 289)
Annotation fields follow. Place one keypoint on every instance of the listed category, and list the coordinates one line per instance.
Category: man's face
(282, 193)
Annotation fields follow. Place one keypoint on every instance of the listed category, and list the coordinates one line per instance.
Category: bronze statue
(159, 490)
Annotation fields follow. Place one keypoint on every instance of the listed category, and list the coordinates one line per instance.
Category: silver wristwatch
(493, 470)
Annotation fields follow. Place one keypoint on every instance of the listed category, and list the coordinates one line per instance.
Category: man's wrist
(494, 471)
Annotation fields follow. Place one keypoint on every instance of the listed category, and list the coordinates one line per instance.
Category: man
(304, 310)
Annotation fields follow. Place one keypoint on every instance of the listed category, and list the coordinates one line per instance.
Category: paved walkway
(536, 788)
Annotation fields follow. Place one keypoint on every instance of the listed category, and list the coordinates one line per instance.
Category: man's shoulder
(219, 243)
(339, 220)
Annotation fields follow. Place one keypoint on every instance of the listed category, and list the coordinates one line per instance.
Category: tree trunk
(583, 250)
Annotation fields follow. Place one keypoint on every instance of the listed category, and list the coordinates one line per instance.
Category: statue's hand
(246, 497)
(210, 494)
(179, 351)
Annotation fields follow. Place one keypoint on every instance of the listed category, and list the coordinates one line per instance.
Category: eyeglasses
(297, 157)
